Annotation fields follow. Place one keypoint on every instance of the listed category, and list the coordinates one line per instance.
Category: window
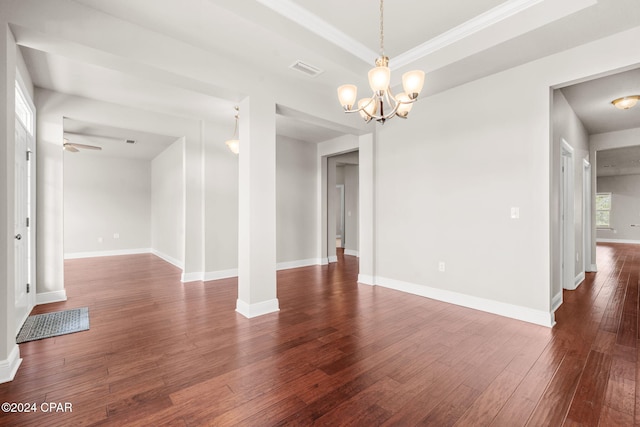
(23, 109)
(603, 210)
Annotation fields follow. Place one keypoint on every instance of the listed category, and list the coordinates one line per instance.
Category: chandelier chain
(381, 28)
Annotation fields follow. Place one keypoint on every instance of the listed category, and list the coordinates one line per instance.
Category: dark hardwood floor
(160, 352)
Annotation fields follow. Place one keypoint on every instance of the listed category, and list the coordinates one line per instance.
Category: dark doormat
(49, 325)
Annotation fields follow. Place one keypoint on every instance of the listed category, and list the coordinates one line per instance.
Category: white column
(322, 207)
(366, 232)
(257, 208)
(50, 200)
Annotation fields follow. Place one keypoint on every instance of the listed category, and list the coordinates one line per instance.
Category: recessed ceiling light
(626, 102)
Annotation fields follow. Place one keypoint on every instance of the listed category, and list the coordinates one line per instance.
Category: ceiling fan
(74, 148)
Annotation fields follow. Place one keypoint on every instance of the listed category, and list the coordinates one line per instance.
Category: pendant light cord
(235, 128)
(381, 28)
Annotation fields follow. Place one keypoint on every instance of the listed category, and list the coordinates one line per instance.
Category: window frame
(608, 225)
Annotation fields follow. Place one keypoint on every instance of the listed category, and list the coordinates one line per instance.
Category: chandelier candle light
(234, 143)
(379, 79)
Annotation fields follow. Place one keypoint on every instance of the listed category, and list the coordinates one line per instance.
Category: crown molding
(466, 29)
(320, 27)
(292, 11)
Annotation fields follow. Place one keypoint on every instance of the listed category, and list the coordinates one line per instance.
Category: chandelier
(382, 104)
(234, 142)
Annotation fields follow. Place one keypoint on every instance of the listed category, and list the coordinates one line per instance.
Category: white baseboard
(351, 252)
(366, 280)
(526, 314)
(77, 255)
(556, 302)
(579, 278)
(10, 365)
(593, 268)
(49, 297)
(257, 309)
(324, 261)
(221, 274)
(333, 258)
(192, 277)
(297, 264)
(633, 242)
(168, 258)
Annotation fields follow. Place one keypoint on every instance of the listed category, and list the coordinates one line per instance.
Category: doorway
(340, 216)
(24, 195)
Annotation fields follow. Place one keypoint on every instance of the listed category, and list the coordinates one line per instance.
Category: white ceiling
(198, 58)
(591, 101)
(618, 161)
(112, 140)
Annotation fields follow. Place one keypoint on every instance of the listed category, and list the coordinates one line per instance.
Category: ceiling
(618, 161)
(112, 140)
(591, 102)
(198, 58)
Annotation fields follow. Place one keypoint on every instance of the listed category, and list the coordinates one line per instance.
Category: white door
(23, 304)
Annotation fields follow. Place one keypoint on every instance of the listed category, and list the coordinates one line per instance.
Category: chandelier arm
(359, 109)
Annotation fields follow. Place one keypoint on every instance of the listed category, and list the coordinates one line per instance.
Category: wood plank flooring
(160, 352)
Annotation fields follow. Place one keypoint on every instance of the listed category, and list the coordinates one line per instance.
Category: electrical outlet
(515, 212)
(116, 235)
(441, 266)
(99, 239)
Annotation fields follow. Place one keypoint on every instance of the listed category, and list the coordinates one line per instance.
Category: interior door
(21, 241)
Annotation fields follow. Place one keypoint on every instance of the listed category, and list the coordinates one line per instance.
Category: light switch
(515, 213)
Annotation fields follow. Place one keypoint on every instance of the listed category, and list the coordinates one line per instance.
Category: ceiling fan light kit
(382, 98)
(74, 148)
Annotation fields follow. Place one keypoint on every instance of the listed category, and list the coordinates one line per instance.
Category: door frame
(30, 200)
(567, 223)
(586, 215)
(341, 219)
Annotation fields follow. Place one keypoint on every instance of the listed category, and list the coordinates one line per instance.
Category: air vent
(305, 68)
(130, 141)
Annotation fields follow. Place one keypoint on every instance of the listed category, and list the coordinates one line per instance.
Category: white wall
(9, 351)
(446, 194)
(167, 204)
(568, 127)
(625, 203)
(104, 196)
(445, 184)
(296, 202)
(221, 206)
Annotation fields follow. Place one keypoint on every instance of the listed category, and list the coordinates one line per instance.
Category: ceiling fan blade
(84, 146)
(70, 148)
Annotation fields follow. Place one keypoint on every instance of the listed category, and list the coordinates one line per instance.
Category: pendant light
(234, 142)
